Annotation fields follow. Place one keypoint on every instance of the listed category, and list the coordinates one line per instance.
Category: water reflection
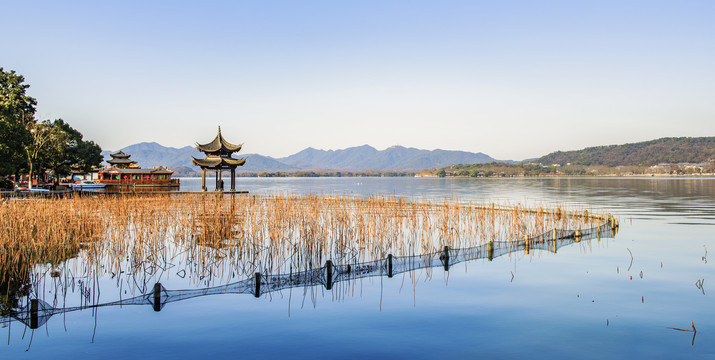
(479, 313)
(640, 197)
(35, 312)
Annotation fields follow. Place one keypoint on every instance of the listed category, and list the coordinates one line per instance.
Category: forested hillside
(647, 153)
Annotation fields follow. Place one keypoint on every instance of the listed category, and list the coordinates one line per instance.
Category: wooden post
(203, 179)
(220, 179)
(490, 250)
(233, 179)
(157, 297)
(329, 274)
(526, 244)
(34, 309)
(258, 285)
(389, 265)
(445, 258)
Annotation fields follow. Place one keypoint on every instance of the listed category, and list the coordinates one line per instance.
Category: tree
(17, 111)
(41, 135)
(32, 146)
(67, 151)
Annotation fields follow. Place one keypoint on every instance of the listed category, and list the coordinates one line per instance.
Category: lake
(615, 297)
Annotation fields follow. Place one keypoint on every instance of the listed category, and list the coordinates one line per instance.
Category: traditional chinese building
(125, 173)
(120, 160)
(218, 157)
(156, 175)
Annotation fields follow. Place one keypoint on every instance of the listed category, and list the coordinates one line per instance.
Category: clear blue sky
(512, 79)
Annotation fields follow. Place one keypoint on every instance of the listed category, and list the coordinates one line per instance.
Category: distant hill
(647, 153)
(366, 157)
(256, 162)
(354, 158)
(150, 154)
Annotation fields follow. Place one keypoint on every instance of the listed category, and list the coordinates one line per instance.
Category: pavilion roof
(218, 145)
(156, 170)
(214, 161)
(121, 161)
(120, 155)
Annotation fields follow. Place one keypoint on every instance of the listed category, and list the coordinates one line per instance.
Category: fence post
(555, 247)
(490, 250)
(526, 244)
(445, 258)
(157, 297)
(34, 309)
(257, 293)
(389, 265)
(329, 274)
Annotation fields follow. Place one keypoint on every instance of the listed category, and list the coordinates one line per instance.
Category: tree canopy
(67, 151)
(17, 109)
(31, 146)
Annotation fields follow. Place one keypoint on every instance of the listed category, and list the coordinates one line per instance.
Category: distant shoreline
(661, 176)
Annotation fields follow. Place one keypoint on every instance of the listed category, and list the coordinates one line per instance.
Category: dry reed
(216, 235)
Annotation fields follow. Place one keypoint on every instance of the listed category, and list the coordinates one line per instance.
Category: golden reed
(273, 233)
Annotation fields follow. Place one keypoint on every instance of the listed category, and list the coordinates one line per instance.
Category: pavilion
(120, 160)
(218, 157)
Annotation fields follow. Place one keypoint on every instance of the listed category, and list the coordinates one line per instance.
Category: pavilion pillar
(218, 171)
(233, 178)
(203, 179)
(220, 179)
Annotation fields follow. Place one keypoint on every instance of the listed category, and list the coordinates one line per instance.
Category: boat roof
(156, 170)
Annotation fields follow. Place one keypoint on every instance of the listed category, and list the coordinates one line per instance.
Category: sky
(511, 79)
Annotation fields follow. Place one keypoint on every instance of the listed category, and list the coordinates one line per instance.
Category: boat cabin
(115, 175)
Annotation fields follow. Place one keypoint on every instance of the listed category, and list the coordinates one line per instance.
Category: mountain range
(150, 154)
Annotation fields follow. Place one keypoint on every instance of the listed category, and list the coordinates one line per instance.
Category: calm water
(589, 300)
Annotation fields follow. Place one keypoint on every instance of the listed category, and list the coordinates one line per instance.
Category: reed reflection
(160, 249)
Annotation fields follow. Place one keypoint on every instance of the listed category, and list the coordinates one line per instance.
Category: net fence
(36, 312)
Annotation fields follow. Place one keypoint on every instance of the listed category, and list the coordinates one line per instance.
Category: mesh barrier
(37, 312)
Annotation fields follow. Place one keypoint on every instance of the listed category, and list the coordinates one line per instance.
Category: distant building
(156, 175)
(120, 160)
(124, 172)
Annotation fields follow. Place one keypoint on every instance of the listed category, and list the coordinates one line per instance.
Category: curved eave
(205, 162)
(236, 162)
(213, 162)
(121, 161)
(218, 149)
(120, 154)
(228, 146)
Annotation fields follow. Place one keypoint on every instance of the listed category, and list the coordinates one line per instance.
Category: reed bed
(211, 236)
